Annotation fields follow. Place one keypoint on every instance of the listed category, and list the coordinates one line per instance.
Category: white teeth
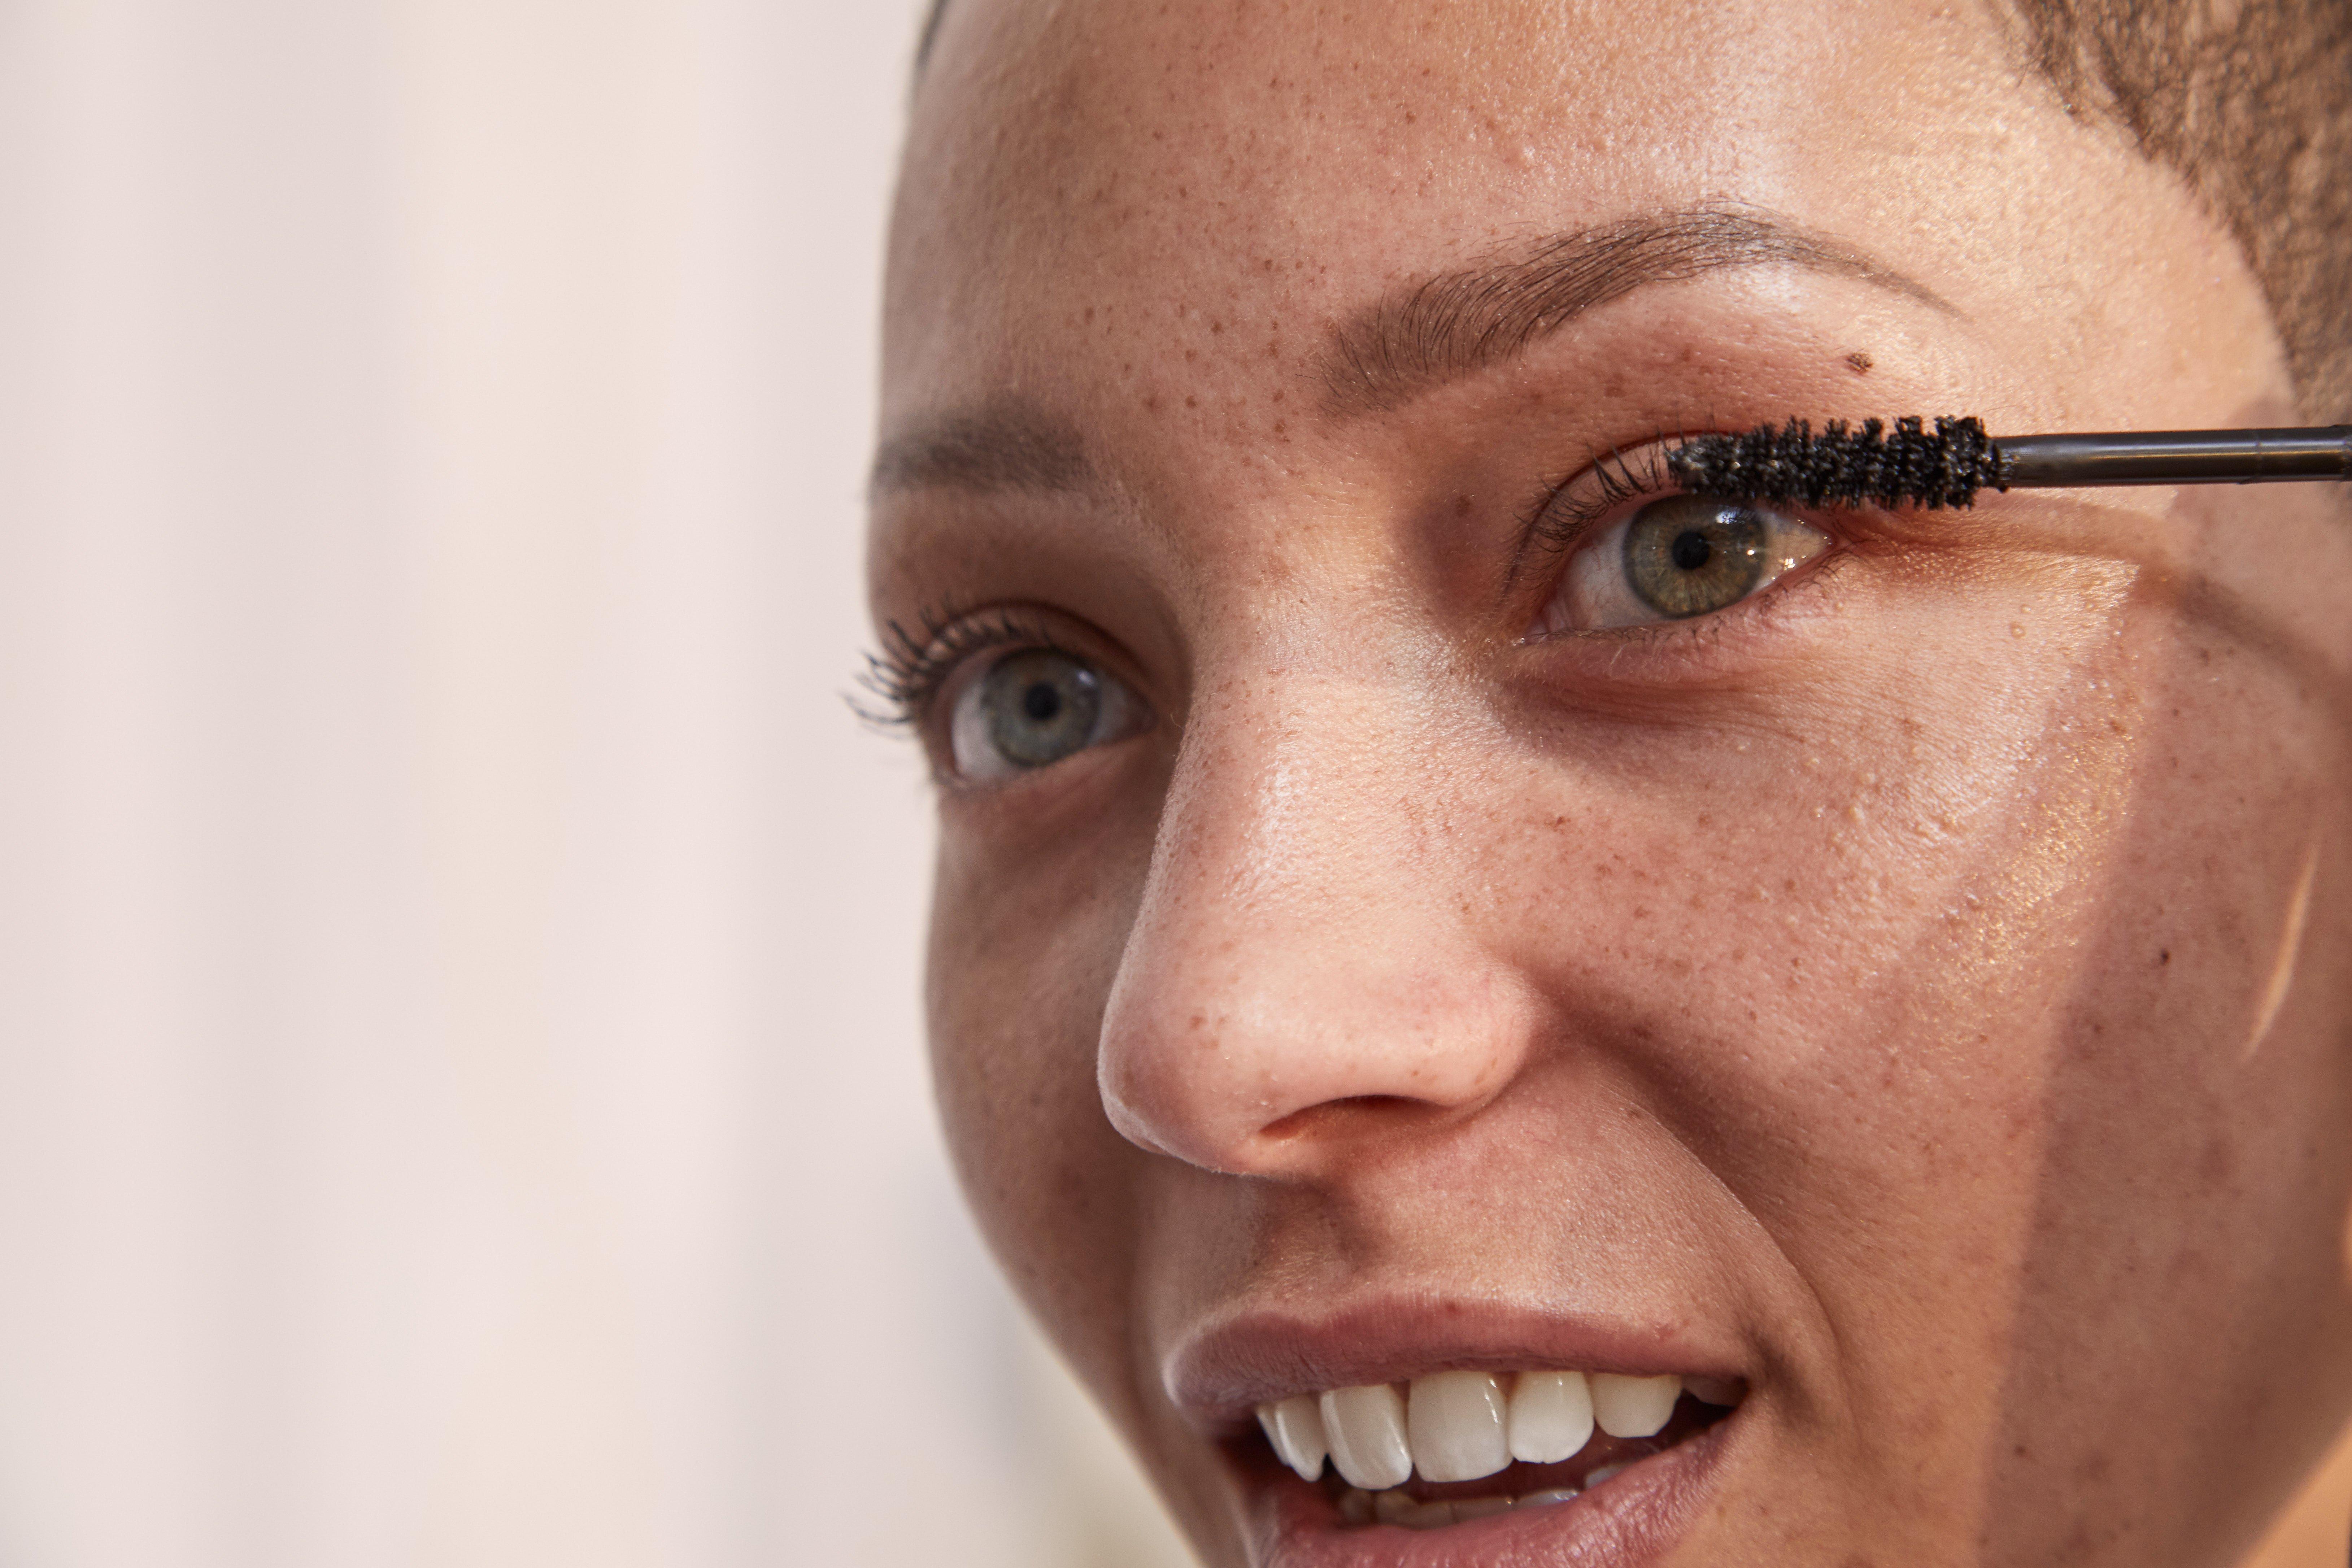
(1295, 1427)
(1456, 1427)
(1551, 1417)
(1365, 1427)
(1634, 1406)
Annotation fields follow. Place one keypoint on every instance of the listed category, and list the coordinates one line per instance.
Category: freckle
(1217, 327)
(1278, 427)
(2163, 956)
(1191, 354)
(1278, 394)
(1461, 505)
(1190, 400)
(1151, 403)
(1861, 361)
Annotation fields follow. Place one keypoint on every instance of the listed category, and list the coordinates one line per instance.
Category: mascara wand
(1949, 464)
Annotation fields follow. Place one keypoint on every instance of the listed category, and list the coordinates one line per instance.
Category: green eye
(1034, 707)
(1679, 557)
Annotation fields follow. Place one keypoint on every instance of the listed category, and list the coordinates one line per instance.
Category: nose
(1304, 976)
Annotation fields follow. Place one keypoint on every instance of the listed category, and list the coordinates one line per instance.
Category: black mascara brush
(1949, 464)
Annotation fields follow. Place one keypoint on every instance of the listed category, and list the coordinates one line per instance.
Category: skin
(1921, 989)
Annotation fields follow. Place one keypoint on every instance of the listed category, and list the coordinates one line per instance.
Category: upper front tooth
(1295, 1427)
(1365, 1427)
(1634, 1406)
(1551, 1417)
(1456, 1422)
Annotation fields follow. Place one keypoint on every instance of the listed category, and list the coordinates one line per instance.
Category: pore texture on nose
(1300, 976)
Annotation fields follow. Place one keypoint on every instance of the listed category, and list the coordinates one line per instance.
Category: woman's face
(1399, 910)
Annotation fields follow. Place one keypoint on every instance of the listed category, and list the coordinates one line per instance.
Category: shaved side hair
(2249, 102)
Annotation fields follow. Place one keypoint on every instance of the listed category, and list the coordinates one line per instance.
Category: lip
(1217, 1375)
(1632, 1519)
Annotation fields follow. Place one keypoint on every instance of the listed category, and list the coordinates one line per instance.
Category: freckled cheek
(1014, 1006)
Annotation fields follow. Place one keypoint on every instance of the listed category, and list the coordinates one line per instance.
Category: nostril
(1389, 1107)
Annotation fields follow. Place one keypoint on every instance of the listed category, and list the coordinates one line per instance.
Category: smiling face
(1411, 901)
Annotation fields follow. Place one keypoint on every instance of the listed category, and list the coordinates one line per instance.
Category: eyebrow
(1446, 327)
(1004, 445)
(1453, 323)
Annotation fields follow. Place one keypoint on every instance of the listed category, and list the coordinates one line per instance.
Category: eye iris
(1689, 555)
(1040, 707)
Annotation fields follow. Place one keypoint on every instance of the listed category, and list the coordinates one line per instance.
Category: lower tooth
(1481, 1508)
(1395, 1508)
(1601, 1474)
(1545, 1499)
(1356, 1506)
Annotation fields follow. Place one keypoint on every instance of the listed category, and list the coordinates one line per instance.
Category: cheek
(1022, 948)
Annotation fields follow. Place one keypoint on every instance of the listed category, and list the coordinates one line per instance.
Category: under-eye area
(1456, 1447)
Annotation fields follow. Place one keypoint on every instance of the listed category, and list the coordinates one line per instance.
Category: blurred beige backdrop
(460, 1093)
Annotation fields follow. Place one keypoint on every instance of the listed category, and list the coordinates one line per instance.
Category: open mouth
(1455, 1446)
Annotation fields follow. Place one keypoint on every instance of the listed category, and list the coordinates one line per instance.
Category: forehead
(1196, 154)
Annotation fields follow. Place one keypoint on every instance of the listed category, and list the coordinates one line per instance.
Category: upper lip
(1217, 1373)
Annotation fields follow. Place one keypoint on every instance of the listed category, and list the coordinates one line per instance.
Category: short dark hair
(2249, 102)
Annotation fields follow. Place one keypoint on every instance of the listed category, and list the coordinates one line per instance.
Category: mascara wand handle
(2175, 457)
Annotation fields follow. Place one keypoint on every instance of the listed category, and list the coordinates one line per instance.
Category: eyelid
(1571, 509)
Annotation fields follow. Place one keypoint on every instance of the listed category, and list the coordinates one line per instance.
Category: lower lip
(1634, 1518)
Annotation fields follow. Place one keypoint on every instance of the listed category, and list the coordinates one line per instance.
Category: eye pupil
(1038, 706)
(1690, 555)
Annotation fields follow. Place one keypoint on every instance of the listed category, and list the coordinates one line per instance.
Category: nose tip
(1303, 1073)
(1302, 975)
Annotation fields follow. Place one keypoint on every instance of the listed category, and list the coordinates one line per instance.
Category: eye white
(1030, 708)
(1595, 593)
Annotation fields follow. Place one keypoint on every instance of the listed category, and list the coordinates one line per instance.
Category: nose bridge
(1296, 962)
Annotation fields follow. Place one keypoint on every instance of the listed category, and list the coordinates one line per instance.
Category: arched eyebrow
(1453, 323)
(1002, 444)
(1446, 327)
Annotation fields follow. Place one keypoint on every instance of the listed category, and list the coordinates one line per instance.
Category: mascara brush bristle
(1909, 465)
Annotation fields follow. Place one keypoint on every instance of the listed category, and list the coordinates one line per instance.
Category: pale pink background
(461, 1099)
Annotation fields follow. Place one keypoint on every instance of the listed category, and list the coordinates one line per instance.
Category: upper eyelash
(908, 671)
(1560, 519)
